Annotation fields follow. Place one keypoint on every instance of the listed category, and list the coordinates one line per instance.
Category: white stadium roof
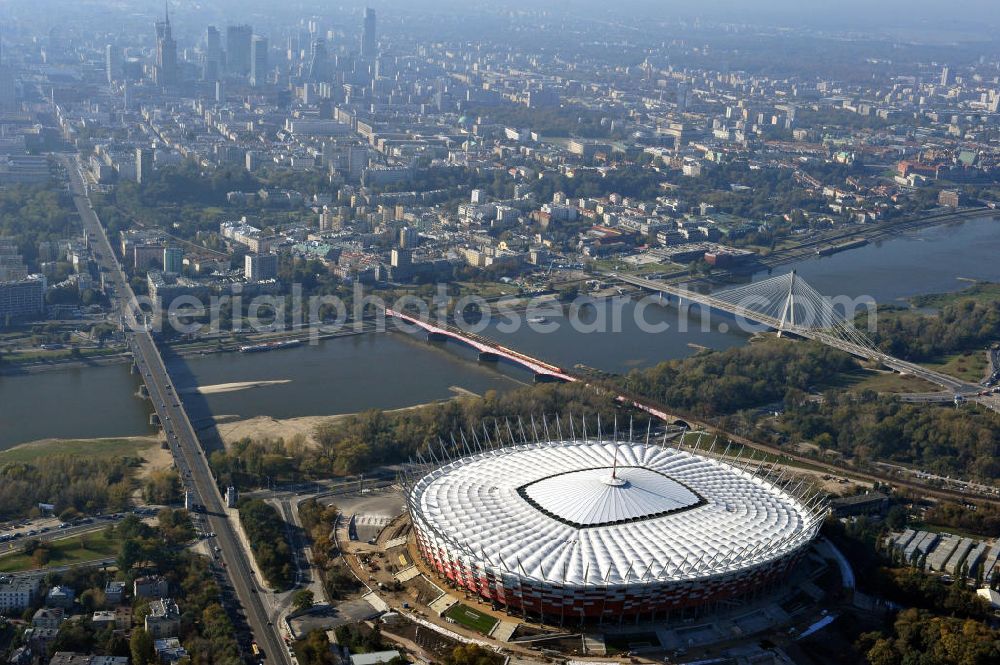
(597, 512)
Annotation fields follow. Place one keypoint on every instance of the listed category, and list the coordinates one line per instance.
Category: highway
(188, 453)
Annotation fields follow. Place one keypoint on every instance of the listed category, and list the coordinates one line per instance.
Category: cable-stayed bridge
(788, 304)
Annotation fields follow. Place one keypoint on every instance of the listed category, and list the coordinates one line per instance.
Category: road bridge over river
(788, 304)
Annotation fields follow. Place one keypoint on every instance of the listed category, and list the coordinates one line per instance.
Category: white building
(17, 593)
(260, 267)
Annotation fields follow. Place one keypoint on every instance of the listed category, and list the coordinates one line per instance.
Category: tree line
(373, 438)
(266, 532)
(959, 326)
(72, 483)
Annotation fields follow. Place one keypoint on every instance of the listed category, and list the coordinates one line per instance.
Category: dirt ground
(156, 458)
(266, 427)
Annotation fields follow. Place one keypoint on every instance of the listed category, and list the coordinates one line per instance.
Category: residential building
(60, 596)
(173, 260)
(169, 650)
(150, 587)
(22, 299)
(103, 619)
(40, 640)
(48, 617)
(260, 267)
(17, 593)
(114, 593)
(950, 198)
(72, 658)
(164, 618)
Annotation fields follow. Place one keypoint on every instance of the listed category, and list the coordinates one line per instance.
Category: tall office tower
(238, 38)
(143, 164)
(165, 71)
(258, 61)
(369, 49)
(944, 76)
(112, 62)
(8, 89)
(318, 60)
(213, 54)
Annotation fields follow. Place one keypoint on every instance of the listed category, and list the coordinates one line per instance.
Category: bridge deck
(822, 335)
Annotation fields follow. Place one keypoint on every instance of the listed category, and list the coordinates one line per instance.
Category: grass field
(470, 618)
(57, 354)
(969, 366)
(76, 549)
(981, 292)
(95, 448)
(881, 382)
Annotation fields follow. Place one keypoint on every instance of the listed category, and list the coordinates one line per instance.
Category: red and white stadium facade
(581, 531)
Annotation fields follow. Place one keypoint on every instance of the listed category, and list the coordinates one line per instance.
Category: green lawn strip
(880, 381)
(470, 618)
(75, 549)
(94, 448)
(968, 365)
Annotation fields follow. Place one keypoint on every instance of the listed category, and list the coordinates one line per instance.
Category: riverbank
(861, 235)
(200, 347)
(266, 427)
(981, 292)
(36, 367)
(147, 448)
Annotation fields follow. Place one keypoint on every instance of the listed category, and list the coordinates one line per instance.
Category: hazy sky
(958, 18)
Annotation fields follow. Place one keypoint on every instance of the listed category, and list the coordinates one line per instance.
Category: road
(55, 533)
(188, 453)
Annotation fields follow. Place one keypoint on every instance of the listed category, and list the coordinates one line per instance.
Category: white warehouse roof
(597, 512)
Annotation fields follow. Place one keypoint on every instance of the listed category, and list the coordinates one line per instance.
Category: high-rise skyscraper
(165, 71)
(8, 87)
(317, 60)
(212, 66)
(112, 62)
(369, 48)
(143, 164)
(238, 49)
(258, 60)
(944, 76)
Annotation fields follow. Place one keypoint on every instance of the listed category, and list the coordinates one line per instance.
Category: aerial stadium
(577, 531)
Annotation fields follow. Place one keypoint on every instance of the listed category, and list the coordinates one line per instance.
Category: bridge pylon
(788, 313)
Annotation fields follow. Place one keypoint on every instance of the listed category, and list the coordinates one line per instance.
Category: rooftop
(588, 512)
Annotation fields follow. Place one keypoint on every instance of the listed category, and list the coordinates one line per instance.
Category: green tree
(302, 600)
(129, 554)
(141, 647)
(472, 654)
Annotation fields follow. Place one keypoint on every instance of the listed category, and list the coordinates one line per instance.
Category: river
(393, 370)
